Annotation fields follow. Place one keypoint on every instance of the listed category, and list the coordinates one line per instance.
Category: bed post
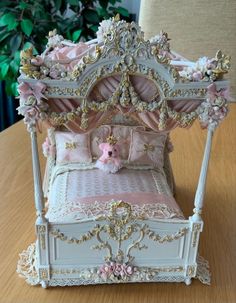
(199, 196)
(38, 192)
(42, 250)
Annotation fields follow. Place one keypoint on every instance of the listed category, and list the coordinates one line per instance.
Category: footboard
(119, 248)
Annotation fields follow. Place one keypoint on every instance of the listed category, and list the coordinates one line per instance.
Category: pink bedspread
(78, 195)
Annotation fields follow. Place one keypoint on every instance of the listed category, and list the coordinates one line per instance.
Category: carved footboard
(119, 248)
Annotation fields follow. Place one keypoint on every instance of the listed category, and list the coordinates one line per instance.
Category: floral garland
(206, 69)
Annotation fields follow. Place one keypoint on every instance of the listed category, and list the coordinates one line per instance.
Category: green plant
(25, 23)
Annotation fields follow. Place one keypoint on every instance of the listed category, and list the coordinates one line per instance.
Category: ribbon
(27, 89)
(213, 93)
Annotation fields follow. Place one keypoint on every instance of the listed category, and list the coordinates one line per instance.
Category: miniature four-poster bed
(126, 226)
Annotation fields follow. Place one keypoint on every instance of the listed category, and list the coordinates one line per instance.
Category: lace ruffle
(78, 211)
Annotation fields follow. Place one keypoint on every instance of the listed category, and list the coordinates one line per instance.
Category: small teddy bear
(110, 160)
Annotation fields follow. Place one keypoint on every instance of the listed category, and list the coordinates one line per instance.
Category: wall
(197, 27)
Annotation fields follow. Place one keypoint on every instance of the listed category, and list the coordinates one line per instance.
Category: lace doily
(27, 265)
(203, 271)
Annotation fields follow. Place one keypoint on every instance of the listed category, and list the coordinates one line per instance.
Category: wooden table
(17, 217)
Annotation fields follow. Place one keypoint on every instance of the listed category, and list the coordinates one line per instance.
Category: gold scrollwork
(166, 238)
(62, 91)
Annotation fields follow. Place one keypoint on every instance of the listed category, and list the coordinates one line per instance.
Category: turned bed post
(38, 192)
(199, 196)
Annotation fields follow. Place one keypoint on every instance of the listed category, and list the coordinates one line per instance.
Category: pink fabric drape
(69, 56)
(145, 88)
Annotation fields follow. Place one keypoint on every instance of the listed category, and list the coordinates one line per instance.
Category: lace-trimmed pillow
(147, 148)
(98, 136)
(72, 147)
(123, 134)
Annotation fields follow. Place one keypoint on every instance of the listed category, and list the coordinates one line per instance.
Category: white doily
(27, 265)
(203, 271)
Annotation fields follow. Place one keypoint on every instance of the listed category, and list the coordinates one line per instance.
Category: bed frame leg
(44, 284)
(188, 281)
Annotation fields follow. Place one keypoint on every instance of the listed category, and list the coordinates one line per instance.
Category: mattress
(78, 194)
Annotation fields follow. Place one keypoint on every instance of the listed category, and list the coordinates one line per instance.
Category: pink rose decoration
(119, 269)
(129, 270)
(197, 76)
(105, 271)
(115, 270)
(54, 74)
(37, 61)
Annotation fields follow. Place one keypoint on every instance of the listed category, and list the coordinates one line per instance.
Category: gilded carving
(41, 234)
(191, 269)
(41, 228)
(43, 274)
(122, 224)
(196, 228)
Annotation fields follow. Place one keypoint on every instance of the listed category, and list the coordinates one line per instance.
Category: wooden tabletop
(217, 243)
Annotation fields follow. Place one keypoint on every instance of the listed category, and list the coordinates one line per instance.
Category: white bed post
(38, 192)
(41, 222)
(196, 220)
(199, 196)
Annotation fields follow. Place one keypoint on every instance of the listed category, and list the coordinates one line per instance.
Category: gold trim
(44, 274)
(196, 228)
(191, 270)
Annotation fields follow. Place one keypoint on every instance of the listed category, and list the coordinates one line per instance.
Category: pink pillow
(72, 147)
(147, 148)
(123, 134)
(98, 136)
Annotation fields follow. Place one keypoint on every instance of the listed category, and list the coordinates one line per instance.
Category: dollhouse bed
(97, 227)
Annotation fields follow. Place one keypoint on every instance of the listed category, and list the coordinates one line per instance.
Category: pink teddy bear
(109, 161)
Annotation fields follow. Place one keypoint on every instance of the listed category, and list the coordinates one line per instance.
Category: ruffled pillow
(147, 148)
(98, 136)
(72, 147)
(123, 135)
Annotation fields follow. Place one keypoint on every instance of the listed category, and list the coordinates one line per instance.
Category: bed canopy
(81, 85)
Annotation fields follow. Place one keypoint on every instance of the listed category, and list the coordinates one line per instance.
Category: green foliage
(26, 23)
